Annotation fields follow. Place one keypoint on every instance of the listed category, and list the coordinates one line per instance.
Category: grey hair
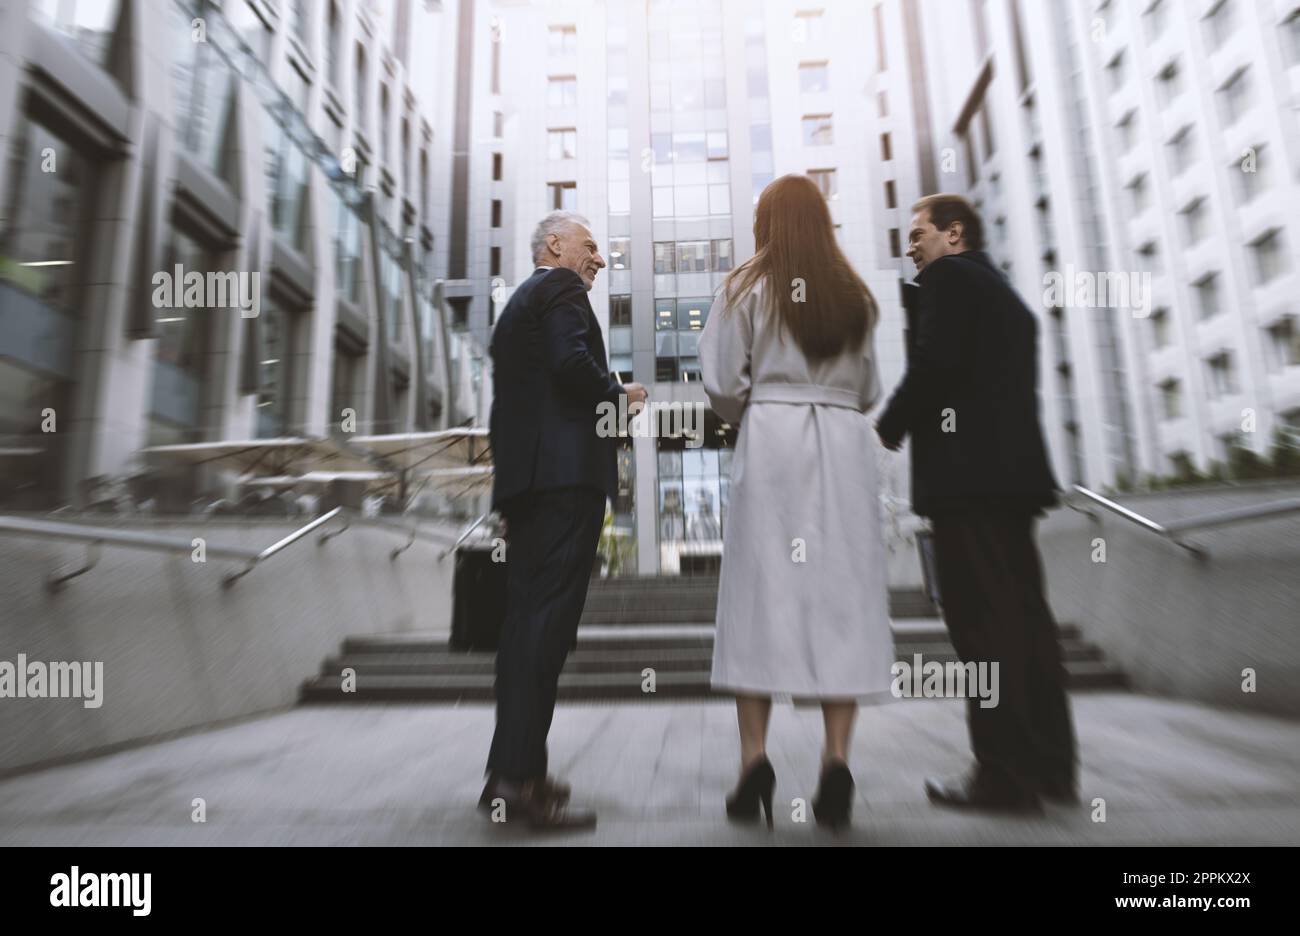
(553, 223)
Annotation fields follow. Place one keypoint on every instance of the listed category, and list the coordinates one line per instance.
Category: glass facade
(43, 254)
(182, 351)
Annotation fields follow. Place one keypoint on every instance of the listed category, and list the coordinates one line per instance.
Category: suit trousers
(991, 586)
(551, 548)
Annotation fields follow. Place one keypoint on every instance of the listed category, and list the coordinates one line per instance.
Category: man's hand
(636, 394)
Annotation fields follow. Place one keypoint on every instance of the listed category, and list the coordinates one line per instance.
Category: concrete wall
(1177, 625)
(181, 651)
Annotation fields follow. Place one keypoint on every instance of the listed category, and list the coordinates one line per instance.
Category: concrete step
(634, 609)
(626, 685)
(651, 636)
(611, 659)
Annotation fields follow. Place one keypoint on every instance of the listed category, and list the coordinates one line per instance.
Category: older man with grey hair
(554, 471)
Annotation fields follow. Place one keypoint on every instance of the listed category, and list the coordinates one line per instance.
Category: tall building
(301, 148)
(1143, 154)
(661, 121)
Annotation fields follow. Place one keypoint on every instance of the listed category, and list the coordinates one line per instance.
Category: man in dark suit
(553, 473)
(980, 472)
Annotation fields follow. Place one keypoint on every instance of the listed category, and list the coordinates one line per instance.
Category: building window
(720, 255)
(817, 130)
(1194, 219)
(692, 256)
(300, 20)
(497, 168)
(347, 252)
(332, 45)
(562, 144)
(1127, 128)
(1181, 150)
(359, 89)
(895, 243)
(494, 262)
(1249, 175)
(1156, 19)
(496, 212)
(665, 257)
(1160, 328)
(562, 196)
(1171, 399)
(562, 40)
(887, 150)
(1268, 256)
(1207, 295)
(1291, 38)
(620, 311)
(715, 143)
(882, 104)
(1234, 97)
(1138, 193)
(826, 181)
(495, 24)
(273, 370)
(1116, 72)
(424, 189)
(1149, 257)
(1222, 376)
(619, 253)
(1219, 24)
(89, 23)
(891, 194)
(808, 26)
(814, 77)
(562, 92)
(1169, 83)
(879, 14)
(1283, 344)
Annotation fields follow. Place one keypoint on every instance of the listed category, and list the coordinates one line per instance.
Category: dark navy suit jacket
(549, 373)
(972, 355)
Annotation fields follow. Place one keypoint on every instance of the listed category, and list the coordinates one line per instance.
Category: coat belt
(816, 394)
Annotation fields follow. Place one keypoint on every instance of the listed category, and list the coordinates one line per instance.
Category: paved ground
(1169, 772)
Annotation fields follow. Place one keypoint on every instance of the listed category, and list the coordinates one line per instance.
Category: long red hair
(796, 254)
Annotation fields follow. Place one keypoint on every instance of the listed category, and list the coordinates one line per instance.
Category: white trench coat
(803, 604)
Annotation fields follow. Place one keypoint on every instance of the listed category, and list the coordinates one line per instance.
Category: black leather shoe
(833, 803)
(550, 787)
(978, 790)
(531, 804)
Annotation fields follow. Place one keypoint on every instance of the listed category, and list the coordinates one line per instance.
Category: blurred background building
(1135, 136)
(382, 164)
(308, 141)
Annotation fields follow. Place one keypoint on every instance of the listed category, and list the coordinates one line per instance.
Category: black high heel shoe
(754, 789)
(834, 801)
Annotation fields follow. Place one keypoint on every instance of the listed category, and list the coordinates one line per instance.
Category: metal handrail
(94, 537)
(464, 536)
(1174, 531)
(289, 540)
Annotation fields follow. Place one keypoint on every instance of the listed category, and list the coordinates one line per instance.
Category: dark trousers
(551, 547)
(991, 586)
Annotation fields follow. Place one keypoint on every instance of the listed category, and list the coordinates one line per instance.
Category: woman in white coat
(788, 353)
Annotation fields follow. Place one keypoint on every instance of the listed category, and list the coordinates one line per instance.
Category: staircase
(628, 625)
